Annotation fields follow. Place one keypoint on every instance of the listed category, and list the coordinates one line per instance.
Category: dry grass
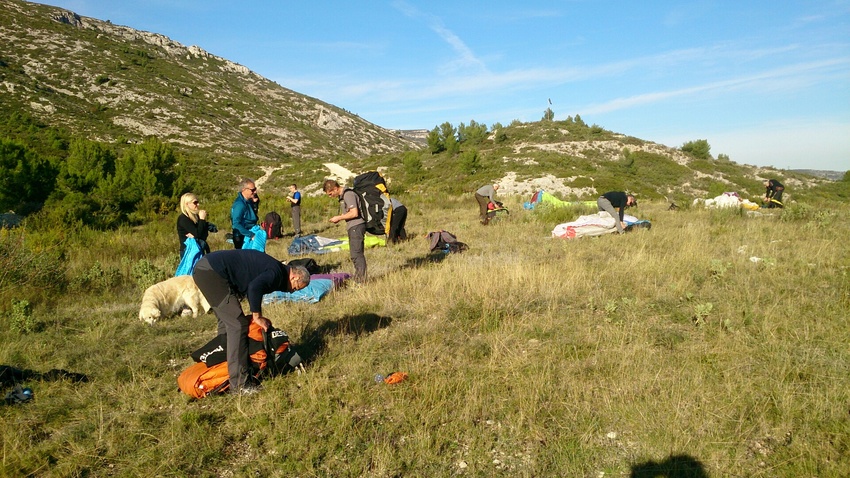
(661, 351)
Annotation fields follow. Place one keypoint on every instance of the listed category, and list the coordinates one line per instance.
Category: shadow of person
(314, 340)
(12, 376)
(675, 466)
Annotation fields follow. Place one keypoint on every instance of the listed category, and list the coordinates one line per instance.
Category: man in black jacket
(773, 193)
(225, 277)
(616, 199)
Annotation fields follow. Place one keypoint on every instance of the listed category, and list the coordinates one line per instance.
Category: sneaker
(247, 390)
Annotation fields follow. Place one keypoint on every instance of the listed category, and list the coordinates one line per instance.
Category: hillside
(117, 85)
(110, 82)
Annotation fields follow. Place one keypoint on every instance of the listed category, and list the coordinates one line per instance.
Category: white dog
(169, 297)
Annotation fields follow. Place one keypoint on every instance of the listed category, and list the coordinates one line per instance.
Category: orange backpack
(267, 350)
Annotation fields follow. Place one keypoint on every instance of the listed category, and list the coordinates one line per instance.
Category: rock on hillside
(106, 82)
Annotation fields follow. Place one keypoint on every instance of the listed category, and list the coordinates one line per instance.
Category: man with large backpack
(225, 277)
(355, 225)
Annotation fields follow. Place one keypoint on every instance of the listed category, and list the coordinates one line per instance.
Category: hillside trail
(341, 173)
(336, 170)
(267, 173)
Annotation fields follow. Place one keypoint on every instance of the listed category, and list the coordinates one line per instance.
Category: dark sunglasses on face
(195, 203)
(253, 190)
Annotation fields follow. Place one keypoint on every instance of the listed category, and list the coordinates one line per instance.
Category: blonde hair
(185, 200)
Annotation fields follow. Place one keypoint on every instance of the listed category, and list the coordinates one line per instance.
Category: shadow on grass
(314, 340)
(12, 376)
(329, 268)
(675, 466)
(431, 258)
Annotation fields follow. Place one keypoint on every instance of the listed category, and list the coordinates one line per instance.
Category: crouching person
(226, 277)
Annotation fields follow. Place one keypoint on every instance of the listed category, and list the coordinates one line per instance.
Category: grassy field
(714, 344)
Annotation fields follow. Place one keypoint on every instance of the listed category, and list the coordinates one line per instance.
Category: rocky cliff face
(110, 82)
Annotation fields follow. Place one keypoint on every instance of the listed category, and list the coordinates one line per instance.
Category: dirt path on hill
(339, 172)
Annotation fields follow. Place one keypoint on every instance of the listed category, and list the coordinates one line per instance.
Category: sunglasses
(253, 190)
(195, 203)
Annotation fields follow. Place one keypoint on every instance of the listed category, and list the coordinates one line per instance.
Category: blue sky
(765, 82)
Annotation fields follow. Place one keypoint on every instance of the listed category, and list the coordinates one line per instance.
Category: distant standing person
(242, 214)
(485, 195)
(773, 193)
(355, 225)
(619, 200)
(397, 222)
(294, 199)
(192, 222)
(225, 277)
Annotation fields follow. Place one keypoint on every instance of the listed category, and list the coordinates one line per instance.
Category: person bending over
(773, 193)
(226, 277)
(614, 203)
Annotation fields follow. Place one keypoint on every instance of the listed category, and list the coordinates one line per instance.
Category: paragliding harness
(375, 207)
(495, 210)
(269, 352)
(445, 242)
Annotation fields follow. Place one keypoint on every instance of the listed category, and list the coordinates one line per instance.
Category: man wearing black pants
(225, 277)
(773, 193)
(294, 199)
(619, 200)
(349, 204)
(397, 222)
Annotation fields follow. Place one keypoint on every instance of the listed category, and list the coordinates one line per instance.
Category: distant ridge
(113, 84)
(818, 173)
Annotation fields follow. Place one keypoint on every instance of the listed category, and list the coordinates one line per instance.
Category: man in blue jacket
(226, 277)
(242, 214)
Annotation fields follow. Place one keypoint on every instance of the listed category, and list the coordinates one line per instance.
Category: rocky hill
(115, 84)
(110, 82)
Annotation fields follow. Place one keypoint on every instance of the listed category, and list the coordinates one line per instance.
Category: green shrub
(32, 269)
(145, 274)
(413, 170)
(469, 161)
(20, 317)
(96, 278)
(699, 149)
(24, 176)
